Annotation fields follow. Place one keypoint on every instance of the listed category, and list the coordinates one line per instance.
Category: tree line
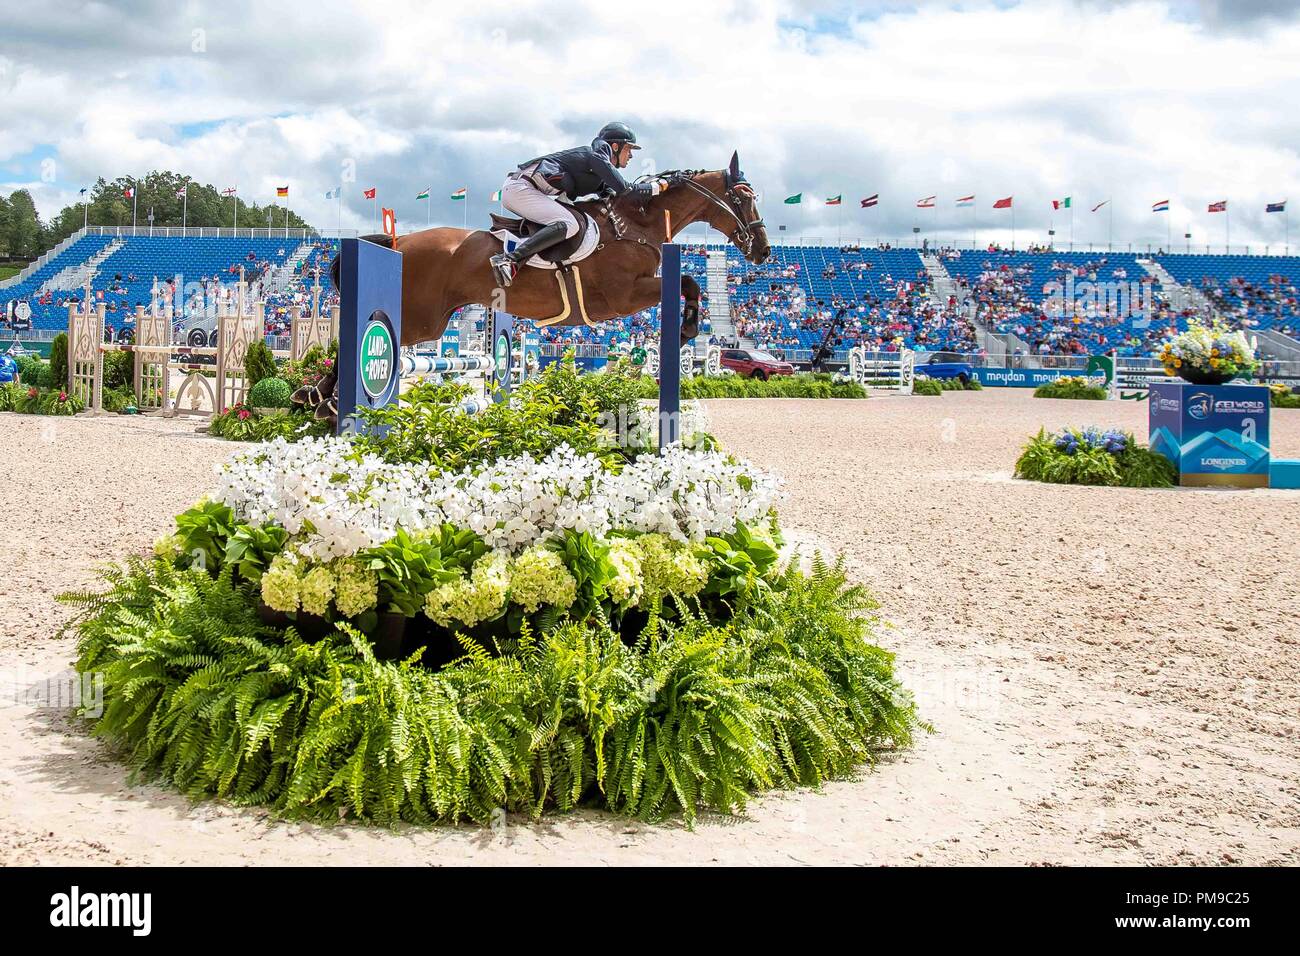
(23, 234)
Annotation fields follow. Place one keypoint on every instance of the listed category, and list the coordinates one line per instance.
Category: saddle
(511, 231)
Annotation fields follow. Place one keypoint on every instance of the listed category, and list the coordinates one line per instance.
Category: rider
(531, 190)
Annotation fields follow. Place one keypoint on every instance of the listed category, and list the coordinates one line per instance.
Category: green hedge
(804, 385)
(1071, 386)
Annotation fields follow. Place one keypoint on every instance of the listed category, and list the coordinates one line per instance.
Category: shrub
(1283, 396)
(33, 371)
(11, 394)
(117, 399)
(926, 386)
(259, 363)
(119, 370)
(1071, 386)
(1092, 457)
(59, 361)
(61, 402)
(270, 393)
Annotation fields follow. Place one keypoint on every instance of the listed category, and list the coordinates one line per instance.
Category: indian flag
(424, 193)
(460, 193)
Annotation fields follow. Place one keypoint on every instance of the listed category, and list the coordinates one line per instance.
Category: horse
(445, 268)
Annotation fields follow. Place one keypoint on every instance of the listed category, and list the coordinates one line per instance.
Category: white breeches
(524, 199)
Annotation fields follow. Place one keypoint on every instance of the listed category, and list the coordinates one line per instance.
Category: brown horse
(444, 269)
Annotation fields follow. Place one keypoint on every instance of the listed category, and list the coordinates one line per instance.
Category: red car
(755, 363)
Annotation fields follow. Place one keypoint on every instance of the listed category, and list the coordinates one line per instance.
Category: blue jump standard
(1216, 435)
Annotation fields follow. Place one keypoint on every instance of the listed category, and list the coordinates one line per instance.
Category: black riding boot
(505, 263)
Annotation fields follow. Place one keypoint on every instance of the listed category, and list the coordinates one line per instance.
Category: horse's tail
(378, 238)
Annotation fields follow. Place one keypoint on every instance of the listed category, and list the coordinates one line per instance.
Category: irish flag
(496, 196)
(460, 193)
(424, 193)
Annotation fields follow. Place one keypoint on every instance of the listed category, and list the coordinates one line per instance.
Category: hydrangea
(316, 590)
(625, 589)
(357, 588)
(469, 600)
(1112, 440)
(168, 546)
(668, 565)
(540, 577)
(281, 584)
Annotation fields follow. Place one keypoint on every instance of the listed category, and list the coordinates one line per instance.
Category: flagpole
(135, 198)
(234, 198)
(85, 213)
(1110, 230)
(1071, 223)
(1227, 230)
(974, 225)
(428, 208)
(464, 218)
(185, 208)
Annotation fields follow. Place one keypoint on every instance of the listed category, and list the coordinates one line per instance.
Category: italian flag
(794, 200)
(1061, 203)
(835, 200)
(460, 193)
(424, 193)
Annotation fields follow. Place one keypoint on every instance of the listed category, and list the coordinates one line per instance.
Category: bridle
(736, 192)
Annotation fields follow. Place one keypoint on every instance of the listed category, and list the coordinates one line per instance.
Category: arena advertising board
(1027, 377)
(1214, 434)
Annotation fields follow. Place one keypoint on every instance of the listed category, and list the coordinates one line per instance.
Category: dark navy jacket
(581, 171)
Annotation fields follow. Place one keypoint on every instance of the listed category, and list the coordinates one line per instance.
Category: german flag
(282, 190)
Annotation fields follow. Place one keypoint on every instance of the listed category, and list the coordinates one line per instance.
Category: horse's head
(729, 206)
(750, 236)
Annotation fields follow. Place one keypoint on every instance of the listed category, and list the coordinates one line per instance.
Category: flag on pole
(1099, 205)
(390, 223)
(926, 203)
(496, 196)
(282, 190)
(424, 193)
(835, 200)
(129, 192)
(1161, 206)
(231, 191)
(370, 193)
(460, 193)
(871, 200)
(1003, 203)
(1271, 207)
(966, 201)
(335, 193)
(83, 190)
(1220, 206)
(180, 193)
(1061, 203)
(794, 200)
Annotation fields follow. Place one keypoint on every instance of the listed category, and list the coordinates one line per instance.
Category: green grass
(7, 271)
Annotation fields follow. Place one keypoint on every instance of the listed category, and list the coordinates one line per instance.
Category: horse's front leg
(691, 310)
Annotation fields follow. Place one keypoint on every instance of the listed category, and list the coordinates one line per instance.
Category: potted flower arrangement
(1208, 355)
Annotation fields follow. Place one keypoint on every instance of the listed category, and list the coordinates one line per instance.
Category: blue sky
(1131, 102)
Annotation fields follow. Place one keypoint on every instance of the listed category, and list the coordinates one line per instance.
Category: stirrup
(504, 268)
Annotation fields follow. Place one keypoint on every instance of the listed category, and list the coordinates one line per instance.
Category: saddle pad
(589, 242)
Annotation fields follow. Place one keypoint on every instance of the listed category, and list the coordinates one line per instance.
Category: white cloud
(1135, 102)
